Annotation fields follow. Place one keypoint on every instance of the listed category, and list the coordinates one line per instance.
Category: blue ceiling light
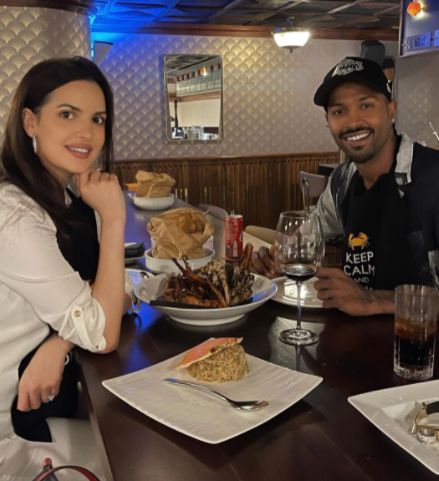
(107, 37)
(117, 17)
(107, 26)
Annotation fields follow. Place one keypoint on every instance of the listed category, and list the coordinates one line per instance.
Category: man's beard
(360, 154)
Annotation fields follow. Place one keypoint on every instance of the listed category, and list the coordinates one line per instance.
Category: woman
(58, 286)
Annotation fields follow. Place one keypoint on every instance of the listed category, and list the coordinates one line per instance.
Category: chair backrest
(316, 182)
(214, 211)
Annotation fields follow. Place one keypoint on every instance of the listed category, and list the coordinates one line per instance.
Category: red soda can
(233, 229)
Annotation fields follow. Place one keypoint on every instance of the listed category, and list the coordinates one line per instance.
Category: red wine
(299, 272)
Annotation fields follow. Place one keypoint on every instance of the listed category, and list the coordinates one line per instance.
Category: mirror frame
(168, 133)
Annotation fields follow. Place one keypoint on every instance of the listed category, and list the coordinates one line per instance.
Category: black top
(377, 254)
(80, 247)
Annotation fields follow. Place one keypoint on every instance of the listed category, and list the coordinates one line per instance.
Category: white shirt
(72, 443)
(38, 289)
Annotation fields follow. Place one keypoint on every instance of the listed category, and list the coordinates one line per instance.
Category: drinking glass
(416, 318)
(299, 249)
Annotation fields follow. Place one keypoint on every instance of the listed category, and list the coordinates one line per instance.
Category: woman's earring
(34, 144)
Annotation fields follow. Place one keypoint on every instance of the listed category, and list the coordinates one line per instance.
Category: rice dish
(227, 364)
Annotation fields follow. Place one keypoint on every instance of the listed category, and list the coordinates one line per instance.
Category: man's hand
(338, 290)
(42, 377)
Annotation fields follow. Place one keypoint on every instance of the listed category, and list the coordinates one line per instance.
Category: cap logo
(347, 66)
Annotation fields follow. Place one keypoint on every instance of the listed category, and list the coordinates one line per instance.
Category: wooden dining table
(321, 437)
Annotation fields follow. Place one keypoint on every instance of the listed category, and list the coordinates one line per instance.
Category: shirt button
(77, 313)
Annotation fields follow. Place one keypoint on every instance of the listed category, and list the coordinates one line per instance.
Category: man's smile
(356, 137)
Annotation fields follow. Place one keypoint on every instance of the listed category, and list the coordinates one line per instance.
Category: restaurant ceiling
(139, 15)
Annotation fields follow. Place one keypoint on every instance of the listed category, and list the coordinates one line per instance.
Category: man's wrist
(380, 302)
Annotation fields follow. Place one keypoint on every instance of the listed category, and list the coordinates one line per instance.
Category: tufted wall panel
(267, 101)
(29, 35)
(417, 93)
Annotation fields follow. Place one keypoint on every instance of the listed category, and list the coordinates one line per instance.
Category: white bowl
(263, 290)
(167, 265)
(153, 203)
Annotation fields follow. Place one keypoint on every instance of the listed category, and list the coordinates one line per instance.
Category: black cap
(352, 69)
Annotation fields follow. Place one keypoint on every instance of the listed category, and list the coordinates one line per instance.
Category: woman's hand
(102, 192)
(336, 289)
(42, 377)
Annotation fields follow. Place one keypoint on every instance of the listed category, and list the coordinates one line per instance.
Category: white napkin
(149, 289)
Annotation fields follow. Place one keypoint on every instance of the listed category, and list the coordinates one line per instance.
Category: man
(389, 70)
(384, 201)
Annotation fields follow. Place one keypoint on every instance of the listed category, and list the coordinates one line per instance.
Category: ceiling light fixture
(290, 37)
(414, 8)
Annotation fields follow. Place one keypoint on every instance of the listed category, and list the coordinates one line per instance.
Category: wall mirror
(193, 86)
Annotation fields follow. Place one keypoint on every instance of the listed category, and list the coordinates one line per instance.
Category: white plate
(287, 293)
(263, 290)
(153, 203)
(202, 416)
(168, 266)
(392, 411)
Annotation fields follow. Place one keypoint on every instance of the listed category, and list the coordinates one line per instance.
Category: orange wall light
(413, 8)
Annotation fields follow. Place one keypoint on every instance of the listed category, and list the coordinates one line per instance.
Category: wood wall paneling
(258, 187)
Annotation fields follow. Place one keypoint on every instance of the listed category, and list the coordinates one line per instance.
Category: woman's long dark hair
(20, 165)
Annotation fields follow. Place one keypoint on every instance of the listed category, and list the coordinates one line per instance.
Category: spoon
(241, 405)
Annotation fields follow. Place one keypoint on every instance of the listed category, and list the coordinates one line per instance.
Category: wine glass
(299, 250)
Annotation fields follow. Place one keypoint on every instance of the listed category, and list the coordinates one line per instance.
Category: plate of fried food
(178, 234)
(217, 293)
(220, 364)
(152, 190)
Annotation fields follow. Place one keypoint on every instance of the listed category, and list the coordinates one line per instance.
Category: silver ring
(51, 398)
